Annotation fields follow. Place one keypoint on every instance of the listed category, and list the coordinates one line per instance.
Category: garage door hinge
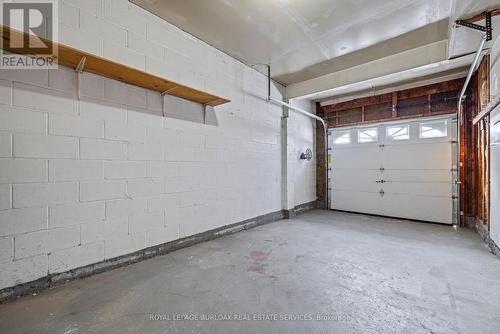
(454, 197)
(454, 169)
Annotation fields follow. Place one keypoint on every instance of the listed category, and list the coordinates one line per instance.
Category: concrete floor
(366, 274)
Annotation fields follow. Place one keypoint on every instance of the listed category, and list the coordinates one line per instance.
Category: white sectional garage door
(405, 170)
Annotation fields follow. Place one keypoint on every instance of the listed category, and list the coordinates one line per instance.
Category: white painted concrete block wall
(495, 143)
(84, 181)
(495, 177)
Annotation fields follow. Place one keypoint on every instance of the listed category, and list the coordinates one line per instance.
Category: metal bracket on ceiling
(488, 28)
(79, 71)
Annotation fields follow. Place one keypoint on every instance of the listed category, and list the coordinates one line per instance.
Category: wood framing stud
(394, 105)
(395, 97)
(431, 100)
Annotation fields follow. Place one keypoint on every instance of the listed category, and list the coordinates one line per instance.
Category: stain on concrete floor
(322, 272)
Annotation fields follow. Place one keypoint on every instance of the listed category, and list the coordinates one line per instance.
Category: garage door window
(342, 137)
(398, 132)
(437, 129)
(367, 135)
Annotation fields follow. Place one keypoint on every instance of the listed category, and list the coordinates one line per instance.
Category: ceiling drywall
(304, 39)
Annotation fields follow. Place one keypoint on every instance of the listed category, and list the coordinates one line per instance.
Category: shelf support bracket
(163, 99)
(206, 108)
(79, 71)
(163, 103)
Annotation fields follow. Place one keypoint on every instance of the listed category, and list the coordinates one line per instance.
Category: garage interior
(277, 166)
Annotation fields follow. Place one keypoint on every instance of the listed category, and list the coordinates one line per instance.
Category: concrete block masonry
(89, 259)
(87, 180)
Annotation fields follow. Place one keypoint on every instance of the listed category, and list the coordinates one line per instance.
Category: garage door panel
(355, 179)
(356, 201)
(418, 175)
(418, 156)
(365, 157)
(419, 188)
(427, 208)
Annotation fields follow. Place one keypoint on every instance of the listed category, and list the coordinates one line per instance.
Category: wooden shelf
(71, 57)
